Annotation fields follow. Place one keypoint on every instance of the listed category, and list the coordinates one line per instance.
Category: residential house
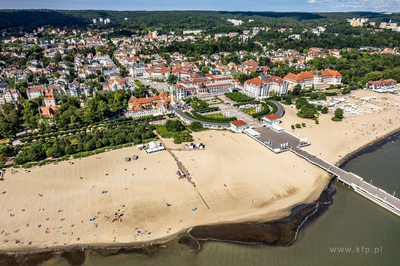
(48, 111)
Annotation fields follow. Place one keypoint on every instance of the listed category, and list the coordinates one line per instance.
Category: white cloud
(373, 5)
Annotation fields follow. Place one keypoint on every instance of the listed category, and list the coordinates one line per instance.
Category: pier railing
(373, 193)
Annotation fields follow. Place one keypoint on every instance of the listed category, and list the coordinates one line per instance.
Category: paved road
(281, 109)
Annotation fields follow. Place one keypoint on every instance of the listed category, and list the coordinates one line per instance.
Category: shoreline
(147, 246)
(296, 220)
(354, 153)
(306, 212)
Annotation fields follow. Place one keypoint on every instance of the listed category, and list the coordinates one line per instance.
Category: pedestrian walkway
(375, 194)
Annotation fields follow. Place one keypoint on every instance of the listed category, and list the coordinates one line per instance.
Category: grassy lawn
(216, 115)
(251, 111)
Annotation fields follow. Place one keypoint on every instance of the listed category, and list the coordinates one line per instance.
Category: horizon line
(202, 10)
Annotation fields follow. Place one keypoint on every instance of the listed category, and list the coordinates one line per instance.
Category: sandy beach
(237, 180)
(259, 186)
(333, 140)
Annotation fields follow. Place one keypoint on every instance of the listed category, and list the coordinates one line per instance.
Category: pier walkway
(375, 194)
(283, 141)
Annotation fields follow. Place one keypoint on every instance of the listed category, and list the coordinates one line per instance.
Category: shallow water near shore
(351, 222)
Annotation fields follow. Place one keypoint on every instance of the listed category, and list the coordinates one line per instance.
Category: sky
(220, 5)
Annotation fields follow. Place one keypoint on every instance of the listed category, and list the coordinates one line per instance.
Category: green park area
(251, 111)
(178, 131)
(218, 115)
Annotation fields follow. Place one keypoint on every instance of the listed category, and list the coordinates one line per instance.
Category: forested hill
(164, 21)
(138, 20)
(31, 19)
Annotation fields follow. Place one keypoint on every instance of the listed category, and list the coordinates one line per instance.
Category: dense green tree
(119, 96)
(6, 150)
(339, 113)
(172, 79)
(296, 90)
(174, 125)
(196, 126)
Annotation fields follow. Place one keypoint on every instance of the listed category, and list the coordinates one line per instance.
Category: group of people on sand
(48, 230)
(142, 231)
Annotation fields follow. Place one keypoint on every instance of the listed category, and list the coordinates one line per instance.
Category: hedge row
(209, 109)
(252, 102)
(274, 107)
(263, 112)
(150, 118)
(238, 97)
(330, 93)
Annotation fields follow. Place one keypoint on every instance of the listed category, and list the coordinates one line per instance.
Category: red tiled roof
(272, 117)
(259, 81)
(48, 111)
(238, 123)
(254, 64)
(382, 81)
(309, 75)
(254, 81)
(195, 76)
(158, 70)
